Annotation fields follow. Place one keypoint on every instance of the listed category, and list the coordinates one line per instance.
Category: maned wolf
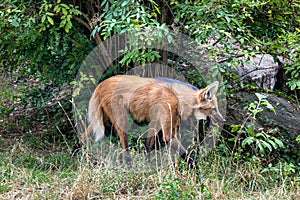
(159, 100)
(200, 102)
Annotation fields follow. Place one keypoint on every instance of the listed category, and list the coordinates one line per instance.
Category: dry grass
(29, 172)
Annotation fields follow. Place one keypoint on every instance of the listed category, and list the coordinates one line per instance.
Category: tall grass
(31, 168)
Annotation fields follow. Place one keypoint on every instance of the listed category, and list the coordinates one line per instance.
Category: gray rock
(287, 116)
(261, 69)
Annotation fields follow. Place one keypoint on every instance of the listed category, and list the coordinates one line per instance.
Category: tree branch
(106, 56)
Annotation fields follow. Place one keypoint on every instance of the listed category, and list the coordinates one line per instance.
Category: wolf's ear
(211, 90)
(208, 92)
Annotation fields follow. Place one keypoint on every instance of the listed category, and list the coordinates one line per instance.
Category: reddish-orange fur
(145, 98)
(161, 102)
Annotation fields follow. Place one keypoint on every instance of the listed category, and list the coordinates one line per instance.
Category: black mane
(170, 80)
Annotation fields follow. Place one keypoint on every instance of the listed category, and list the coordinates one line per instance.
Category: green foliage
(260, 142)
(287, 45)
(35, 42)
(79, 84)
(141, 44)
(294, 71)
(139, 21)
(298, 139)
(39, 54)
(221, 20)
(139, 56)
(256, 108)
(252, 26)
(49, 11)
(121, 16)
(171, 187)
(280, 169)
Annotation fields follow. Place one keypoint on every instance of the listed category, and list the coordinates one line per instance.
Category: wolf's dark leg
(76, 148)
(192, 163)
(203, 126)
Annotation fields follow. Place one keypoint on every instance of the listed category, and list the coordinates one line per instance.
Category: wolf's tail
(95, 113)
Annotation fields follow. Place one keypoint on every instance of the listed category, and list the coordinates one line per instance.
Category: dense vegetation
(43, 44)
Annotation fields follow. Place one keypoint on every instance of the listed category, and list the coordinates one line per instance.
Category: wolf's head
(207, 104)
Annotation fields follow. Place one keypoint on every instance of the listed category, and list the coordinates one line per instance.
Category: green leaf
(124, 3)
(49, 14)
(15, 23)
(50, 20)
(76, 12)
(57, 9)
(261, 135)
(67, 29)
(269, 106)
(253, 105)
(43, 18)
(260, 96)
(279, 142)
(103, 2)
(68, 26)
(234, 139)
(62, 23)
(248, 140)
(261, 148)
(266, 144)
(65, 6)
(64, 11)
(298, 139)
(73, 82)
(274, 145)
(249, 129)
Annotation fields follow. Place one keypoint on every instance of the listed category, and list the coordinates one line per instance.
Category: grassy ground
(32, 168)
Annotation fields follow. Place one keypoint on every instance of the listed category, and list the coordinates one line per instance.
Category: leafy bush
(258, 141)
